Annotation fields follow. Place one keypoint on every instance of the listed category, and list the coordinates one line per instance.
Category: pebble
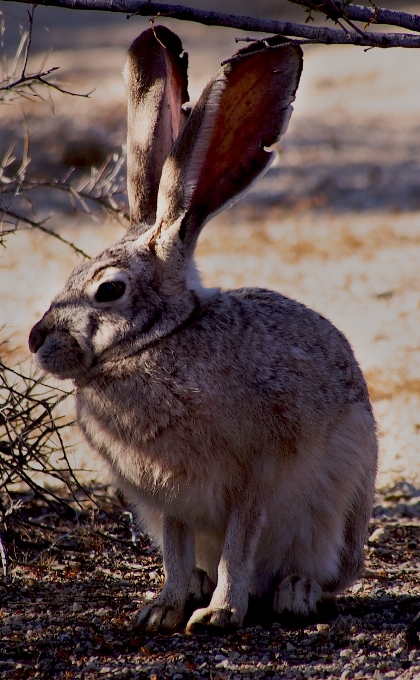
(362, 637)
(380, 535)
(346, 674)
(65, 637)
(102, 612)
(346, 653)
(357, 588)
(91, 666)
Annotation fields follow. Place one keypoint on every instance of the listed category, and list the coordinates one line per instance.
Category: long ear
(223, 147)
(156, 79)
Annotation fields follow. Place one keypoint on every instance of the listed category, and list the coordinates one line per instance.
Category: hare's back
(280, 348)
(253, 369)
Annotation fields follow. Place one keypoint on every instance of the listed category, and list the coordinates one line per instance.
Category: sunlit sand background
(335, 224)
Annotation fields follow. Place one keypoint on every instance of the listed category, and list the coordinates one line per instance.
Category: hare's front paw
(213, 620)
(159, 618)
(298, 595)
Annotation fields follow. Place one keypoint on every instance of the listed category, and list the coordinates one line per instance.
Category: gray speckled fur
(238, 422)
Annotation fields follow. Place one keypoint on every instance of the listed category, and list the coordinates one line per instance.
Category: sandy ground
(336, 224)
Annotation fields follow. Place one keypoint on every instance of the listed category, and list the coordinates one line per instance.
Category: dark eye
(110, 290)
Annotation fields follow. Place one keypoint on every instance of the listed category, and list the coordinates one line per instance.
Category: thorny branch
(34, 463)
(103, 190)
(30, 435)
(24, 84)
(334, 9)
(317, 34)
(35, 466)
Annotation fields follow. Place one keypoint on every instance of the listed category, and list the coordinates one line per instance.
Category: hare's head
(181, 170)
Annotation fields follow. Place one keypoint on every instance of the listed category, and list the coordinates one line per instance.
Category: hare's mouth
(59, 354)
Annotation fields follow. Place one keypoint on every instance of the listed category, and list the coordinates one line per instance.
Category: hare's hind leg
(359, 508)
(297, 594)
(325, 554)
(200, 588)
(355, 531)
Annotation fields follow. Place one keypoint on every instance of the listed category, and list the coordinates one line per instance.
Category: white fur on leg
(297, 595)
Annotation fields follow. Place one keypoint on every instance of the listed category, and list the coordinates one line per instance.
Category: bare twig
(30, 434)
(29, 80)
(103, 190)
(53, 544)
(3, 561)
(39, 225)
(24, 85)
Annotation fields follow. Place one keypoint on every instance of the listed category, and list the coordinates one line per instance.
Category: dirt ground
(77, 580)
(336, 225)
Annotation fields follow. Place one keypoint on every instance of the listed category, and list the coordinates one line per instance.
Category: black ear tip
(155, 37)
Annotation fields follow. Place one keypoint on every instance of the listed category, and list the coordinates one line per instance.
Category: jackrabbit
(238, 423)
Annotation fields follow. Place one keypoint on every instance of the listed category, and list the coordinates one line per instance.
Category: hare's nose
(37, 337)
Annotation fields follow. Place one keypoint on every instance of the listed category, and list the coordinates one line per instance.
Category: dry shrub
(32, 453)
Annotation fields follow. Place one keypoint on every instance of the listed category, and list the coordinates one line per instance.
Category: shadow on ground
(67, 611)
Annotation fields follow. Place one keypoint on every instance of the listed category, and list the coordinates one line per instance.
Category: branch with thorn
(24, 84)
(103, 191)
(332, 9)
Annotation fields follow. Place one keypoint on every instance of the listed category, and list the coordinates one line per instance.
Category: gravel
(67, 610)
